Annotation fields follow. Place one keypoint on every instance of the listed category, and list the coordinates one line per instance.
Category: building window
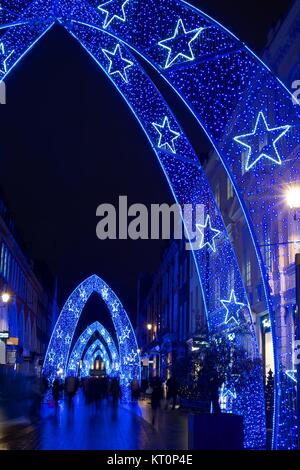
(248, 273)
(217, 195)
(231, 279)
(184, 320)
(2, 259)
(267, 252)
(185, 271)
(229, 189)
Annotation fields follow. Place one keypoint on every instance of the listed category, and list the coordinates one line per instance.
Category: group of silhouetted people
(95, 389)
(69, 386)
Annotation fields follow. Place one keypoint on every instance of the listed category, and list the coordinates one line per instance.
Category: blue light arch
(225, 86)
(82, 342)
(96, 349)
(56, 359)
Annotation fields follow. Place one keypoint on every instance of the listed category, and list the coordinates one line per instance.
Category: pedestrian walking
(156, 397)
(172, 392)
(56, 389)
(70, 388)
(115, 391)
(135, 389)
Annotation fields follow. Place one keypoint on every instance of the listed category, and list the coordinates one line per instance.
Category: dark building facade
(171, 317)
(26, 306)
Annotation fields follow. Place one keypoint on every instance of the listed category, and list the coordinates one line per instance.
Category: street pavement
(87, 427)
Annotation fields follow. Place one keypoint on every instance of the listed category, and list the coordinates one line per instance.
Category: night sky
(69, 143)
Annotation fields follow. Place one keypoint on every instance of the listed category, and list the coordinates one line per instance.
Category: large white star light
(3, 69)
(292, 374)
(208, 234)
(262, 133)
(117, 63)
(180, 44)
(232, 308)
(167, 136)
(114, 9)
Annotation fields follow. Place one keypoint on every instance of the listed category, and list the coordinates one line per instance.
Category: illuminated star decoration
(232, 308)
(51, 356)
(104, 293)
(292, 374)
(68, 339)
(167, 136)
(208, 234)
(59, 332)
(4, 61)
(262, 133)
(125, 335)
(113, 9)
(117, 63)
(83, 295)
(180, 44)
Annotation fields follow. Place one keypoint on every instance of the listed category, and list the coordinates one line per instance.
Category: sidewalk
(171, 426)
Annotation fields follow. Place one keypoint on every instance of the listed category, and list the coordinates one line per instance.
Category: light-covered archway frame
(96, 349)
(58, 351)
(228, 89)
(82, 342)
(225, 299)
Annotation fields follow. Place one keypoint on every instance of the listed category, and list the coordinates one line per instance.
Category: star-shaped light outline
(2, 50)
(83, 294)
(197, 31)
(162, 126)
(292, 374)
(115, 306)
(59, 332)
(104, 293)
(202, 229)
(51, 356)
(129, 62)
(122, 18)
(238, 138)
(124, 335)
(131, 356)
(232, 300)
(68, 339)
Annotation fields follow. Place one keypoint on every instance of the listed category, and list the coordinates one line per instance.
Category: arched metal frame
(225, 299)
(57, 355)
(219, 79)
(82, 342)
